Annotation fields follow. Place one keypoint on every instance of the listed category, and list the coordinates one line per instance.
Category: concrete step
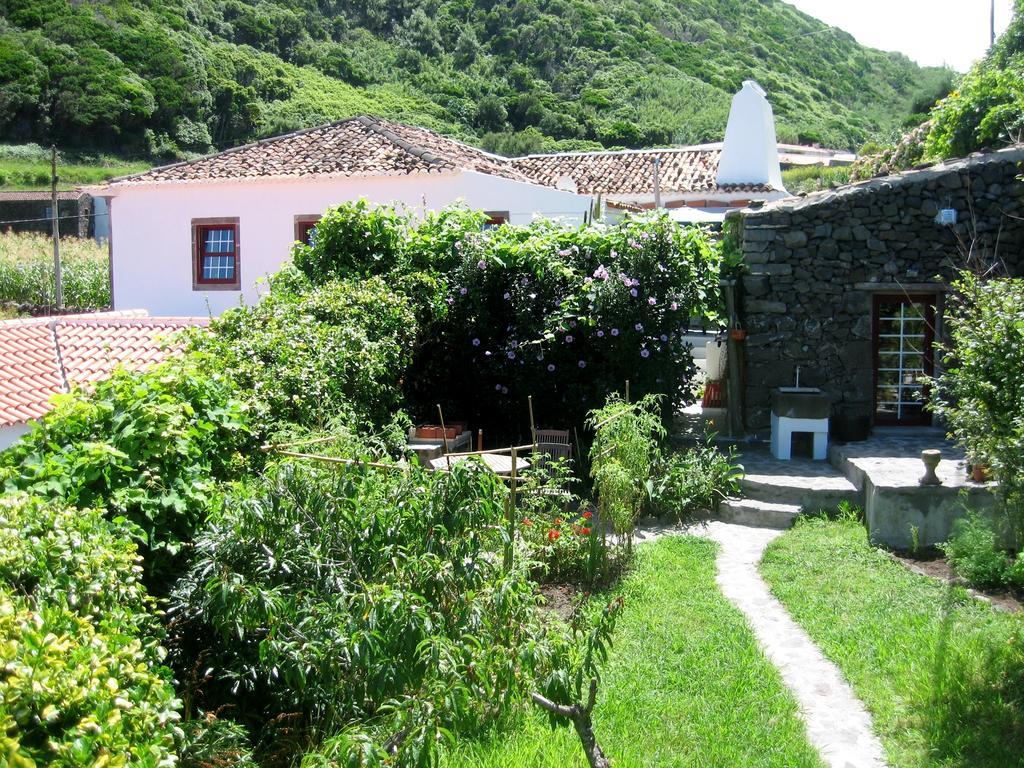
(813, 490)
(760, 514)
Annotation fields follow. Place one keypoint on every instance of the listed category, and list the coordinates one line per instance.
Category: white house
(195, 237)
(711, 178)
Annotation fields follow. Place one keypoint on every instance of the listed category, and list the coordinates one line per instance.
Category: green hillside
(147, 78)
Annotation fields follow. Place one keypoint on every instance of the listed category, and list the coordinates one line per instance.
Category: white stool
(783, 428)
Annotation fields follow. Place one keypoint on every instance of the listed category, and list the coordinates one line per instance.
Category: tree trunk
(579, 715)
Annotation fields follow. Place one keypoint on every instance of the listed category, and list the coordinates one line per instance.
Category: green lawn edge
(685, 685)
(941, 672)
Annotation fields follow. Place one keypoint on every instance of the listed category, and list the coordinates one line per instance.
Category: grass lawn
(35, 174)
(942, 673)
(685, 685)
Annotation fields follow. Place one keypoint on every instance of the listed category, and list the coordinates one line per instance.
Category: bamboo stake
(627, 390)
(480, 440)
(496, 451)
(444, 435)
(348, 462)
(511, 515)
(533, 425)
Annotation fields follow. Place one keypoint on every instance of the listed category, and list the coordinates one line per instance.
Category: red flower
(587, 515)
(558, 521)
(527, 521)
(553, 535)
(584, 531)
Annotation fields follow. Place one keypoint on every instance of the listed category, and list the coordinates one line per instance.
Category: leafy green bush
(82, 680)
(975, 553)
(26, 271)
(566, 316)
(151, 447)
(373, 603)
(622, 457)
(306, 354)
(353, 240)
(980, 393)
(692, 481)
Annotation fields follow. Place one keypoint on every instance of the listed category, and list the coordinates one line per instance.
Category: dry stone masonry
(816, 262)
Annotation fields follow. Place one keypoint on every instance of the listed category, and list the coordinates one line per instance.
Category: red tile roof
(359, 146)
(41, 357)
(41, 196)
(631, 172)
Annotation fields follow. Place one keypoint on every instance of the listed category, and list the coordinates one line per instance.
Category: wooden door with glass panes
(904, 339)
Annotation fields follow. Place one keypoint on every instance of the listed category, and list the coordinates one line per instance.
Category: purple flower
(568, 339)
(458, 245)
(635, 283)
(504, 390)
(551, 367)
(645, 353)
(601, 273)
(614, 253)
(600, 334)
(482, 264)
(510, 355)
(507, 296)
(524, 281)
(674, 306)
(565, 252)
(582, 363)
(632, 292)
(476, 342)
(664, 337)
(638, 327)
(615, 331)
(634, 244)
(497, 387)
(463, 291)
(651, 300)
(450, 300)
(572, 323)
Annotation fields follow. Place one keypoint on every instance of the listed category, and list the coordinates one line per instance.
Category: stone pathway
(838, 725)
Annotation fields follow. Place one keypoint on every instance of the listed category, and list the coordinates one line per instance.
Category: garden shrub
(693, 480)
(306, 353)
(370, 603)
(975, 553)
(150, 447)
(82, 680)
(980, 393)
(357, 239)
(622, 458)
(565, 315)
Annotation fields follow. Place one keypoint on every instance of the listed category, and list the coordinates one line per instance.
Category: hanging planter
(738, 334)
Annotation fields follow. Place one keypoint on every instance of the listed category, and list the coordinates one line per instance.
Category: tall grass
(27, 166)
(813, 178)
(26, 271)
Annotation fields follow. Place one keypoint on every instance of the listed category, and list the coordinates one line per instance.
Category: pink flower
(651, 300)
(482, 264)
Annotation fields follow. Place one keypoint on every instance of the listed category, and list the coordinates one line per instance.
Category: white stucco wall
(151, 226)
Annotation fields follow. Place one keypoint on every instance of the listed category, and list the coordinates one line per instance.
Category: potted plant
(738, 334)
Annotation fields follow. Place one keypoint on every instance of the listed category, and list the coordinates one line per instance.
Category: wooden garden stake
(533, 425)
(510, 518)
(627, 390)
(444, 436)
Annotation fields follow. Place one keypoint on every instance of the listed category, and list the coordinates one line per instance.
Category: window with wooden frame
(216, 251)
(305, 228)
(495, 219)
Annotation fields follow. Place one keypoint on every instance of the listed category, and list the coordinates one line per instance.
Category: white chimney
(750, 154)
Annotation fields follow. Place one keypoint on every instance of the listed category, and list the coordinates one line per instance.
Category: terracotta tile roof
(41, 357)
(41, 196)
(359, 146)
(630, 172)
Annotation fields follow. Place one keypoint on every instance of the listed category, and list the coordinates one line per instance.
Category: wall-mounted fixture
(946, 217)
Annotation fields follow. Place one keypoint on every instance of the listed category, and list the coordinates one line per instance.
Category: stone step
(822, 488)
(759, 514)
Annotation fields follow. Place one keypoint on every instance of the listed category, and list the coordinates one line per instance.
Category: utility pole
(992, 20)
(657, 181)
(55, 222)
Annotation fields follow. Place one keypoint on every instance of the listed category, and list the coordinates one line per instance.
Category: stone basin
(800, 403)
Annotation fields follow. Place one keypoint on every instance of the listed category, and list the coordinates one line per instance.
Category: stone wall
(815, 263)
(27, 212)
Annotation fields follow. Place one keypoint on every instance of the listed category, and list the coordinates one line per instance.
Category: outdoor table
(499, 463)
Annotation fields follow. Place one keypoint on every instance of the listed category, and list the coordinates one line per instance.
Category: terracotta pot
(738, 334)
(428, 432)
(980, 473)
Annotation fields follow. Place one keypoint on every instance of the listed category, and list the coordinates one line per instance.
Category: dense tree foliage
(145, 77)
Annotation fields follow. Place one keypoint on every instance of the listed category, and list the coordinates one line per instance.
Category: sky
(931, 32)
